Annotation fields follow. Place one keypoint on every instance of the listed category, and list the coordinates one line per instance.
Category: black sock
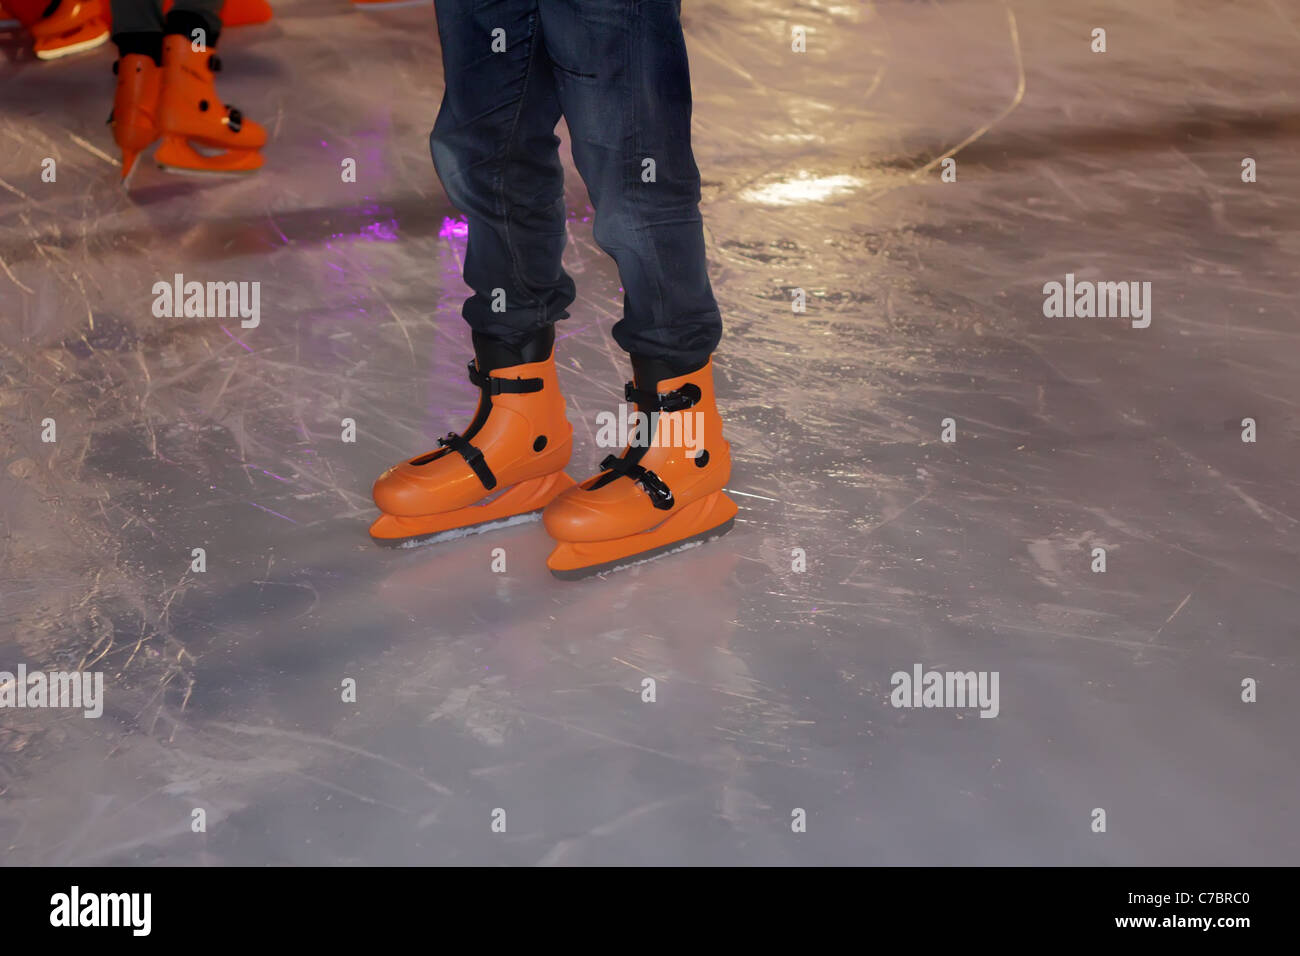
(649, 372)
(491, 354)
(185, 22)
(146, 44)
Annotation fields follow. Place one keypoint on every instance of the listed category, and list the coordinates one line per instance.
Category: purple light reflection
(458, 228)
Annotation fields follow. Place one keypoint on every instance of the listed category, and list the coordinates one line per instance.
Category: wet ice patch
(474, 710)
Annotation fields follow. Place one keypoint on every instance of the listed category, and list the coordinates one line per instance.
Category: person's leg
(495, 149)
(138, 28)
(623, 82)
(138, 35)
(625, 88)
(186, 16)
(136, 16)
(496, 152)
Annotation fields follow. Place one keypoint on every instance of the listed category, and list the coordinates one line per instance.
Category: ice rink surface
(481, 691)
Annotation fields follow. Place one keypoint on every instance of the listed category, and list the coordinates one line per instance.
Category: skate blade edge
(643, 557)
(206, 173)
(518, 503)
(451, 534)
(81, 46)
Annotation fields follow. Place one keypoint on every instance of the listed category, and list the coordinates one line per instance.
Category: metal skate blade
(125, 181)
(79, 47)
(644, 557)
(206, 173)
(419, 541)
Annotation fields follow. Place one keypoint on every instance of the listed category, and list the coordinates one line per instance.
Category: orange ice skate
(135, 108)
(504, 469)
(73, 27)
(199, 133)
(236, 13)
(664, 493)
(390, 4)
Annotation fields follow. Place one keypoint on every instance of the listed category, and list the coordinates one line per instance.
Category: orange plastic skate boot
(192, 118)
(505, 468)
(135, 107)
(662, 494)
(22, 13)
(73, 27)
(390, 4)
(235, 13)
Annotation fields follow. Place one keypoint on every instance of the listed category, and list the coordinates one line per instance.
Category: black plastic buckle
(471, 453)
(503, 386)
(660, 495)
(678, 400)
(473, 456)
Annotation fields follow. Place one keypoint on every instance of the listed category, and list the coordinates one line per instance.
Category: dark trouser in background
(617, 71)
(146, 16)
(138, 24)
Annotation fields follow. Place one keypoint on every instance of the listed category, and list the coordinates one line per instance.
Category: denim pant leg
(624, 85)
(496, 152)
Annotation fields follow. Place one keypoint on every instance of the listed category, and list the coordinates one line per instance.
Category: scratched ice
(476, 690)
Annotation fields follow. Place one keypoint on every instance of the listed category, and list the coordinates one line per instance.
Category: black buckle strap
(678, 400)
(500, 386)
(661, 496)
(473, 457)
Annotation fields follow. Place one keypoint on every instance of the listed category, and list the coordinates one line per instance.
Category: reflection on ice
(803, 188)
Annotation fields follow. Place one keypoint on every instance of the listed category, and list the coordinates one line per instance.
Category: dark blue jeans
(617, 71)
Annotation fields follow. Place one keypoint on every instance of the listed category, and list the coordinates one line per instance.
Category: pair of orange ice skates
(508, 466)
(75, 26)
(175, 101)
(177, 104)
